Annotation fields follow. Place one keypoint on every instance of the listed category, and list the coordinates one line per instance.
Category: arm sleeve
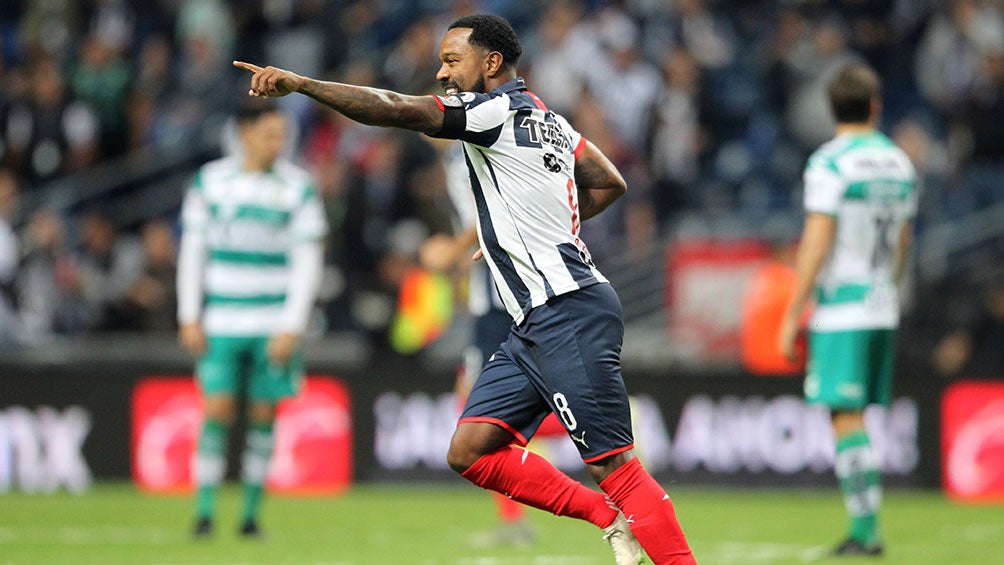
(306, 263)
(912, 201)
(192, 254)
(195, 208)
(191, 263)
(824, 190)
(473, 117)
(306, 260)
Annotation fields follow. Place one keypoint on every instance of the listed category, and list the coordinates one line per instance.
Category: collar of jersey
(514, 84)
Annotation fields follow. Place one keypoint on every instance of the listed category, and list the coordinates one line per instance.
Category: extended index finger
(247, 66)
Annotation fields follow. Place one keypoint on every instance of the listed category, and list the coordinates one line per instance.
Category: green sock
(210, 466)
(858, 474)
(254, 466)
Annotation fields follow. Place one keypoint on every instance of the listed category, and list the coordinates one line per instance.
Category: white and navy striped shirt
(521, 159)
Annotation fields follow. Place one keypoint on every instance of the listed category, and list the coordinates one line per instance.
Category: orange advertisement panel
(765, 301)
(313, 433)
(972, 441)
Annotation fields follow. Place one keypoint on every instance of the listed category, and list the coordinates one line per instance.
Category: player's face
(463, 64)
(265, 138)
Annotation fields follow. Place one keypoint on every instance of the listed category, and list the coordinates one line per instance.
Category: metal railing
(142, 184)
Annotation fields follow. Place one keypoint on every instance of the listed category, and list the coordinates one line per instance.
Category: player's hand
(477, 255)
(281, 347)
(787, 338)
(192, 337)
(271, 81)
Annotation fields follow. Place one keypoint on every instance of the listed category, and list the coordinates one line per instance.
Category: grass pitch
(434, 525)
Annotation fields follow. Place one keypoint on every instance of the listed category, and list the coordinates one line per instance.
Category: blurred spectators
(10, 256)
(980, 116)
(677, 139)
(110, 265)
(707, 107)
(150, 303)
(973, 348)
(49, 133)
(558, 66)
(101, 78)
(412, 63)
(49, 293)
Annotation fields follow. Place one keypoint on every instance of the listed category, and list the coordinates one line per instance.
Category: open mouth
(451, 89)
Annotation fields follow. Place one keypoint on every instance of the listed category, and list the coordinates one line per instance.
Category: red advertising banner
(972, 440)
(313, 432)
(707, 283)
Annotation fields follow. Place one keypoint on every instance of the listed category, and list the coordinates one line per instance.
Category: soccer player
(535, 179)
(860, 200)
(446, 253)
(248, 271)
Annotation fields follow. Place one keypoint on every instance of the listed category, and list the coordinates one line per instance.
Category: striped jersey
(482, 296)
(250, 221)
(521, 160)
(869, 186)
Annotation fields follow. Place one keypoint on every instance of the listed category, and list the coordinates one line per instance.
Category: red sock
(528, 478)
(509, 510)
(650, 513)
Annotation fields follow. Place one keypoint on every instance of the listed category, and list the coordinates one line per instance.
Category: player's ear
(493, 64)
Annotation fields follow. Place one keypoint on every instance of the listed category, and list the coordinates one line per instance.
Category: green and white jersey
(249, 221)
(869, 186)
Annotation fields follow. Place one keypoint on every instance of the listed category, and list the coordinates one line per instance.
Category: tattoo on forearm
(376, 107)
(591, 174)
(587, 204)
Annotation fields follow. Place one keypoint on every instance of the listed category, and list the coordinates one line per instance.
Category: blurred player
(249, 267)
(860, 200)
(535, 179)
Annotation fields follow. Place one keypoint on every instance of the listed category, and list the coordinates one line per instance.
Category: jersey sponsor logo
(532, 132)
(874, 163)
(552, 163)
(581, 439)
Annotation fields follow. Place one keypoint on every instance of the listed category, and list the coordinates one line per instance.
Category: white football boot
(622, 542)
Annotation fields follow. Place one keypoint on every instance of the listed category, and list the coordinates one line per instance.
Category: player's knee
(220, 409)
(602, 469)
(460, 456)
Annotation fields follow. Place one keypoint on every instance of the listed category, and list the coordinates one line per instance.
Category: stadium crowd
(707, 106)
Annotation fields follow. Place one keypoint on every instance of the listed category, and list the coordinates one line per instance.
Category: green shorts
(228, 360)
(850, 369)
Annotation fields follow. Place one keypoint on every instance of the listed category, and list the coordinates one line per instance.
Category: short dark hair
(851, 93)
(493, 33)
(251, 109)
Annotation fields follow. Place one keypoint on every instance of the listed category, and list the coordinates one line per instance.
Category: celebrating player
(859, 202)
(535, 179)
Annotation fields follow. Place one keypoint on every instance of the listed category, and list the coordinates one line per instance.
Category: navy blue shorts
(490, 330)
(564, 357)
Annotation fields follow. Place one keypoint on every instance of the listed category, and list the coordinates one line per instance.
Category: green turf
(428, 525)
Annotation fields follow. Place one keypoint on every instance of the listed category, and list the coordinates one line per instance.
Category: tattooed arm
(370, 106)
(598, 180)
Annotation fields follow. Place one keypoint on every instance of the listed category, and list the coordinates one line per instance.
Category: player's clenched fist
(270, 81)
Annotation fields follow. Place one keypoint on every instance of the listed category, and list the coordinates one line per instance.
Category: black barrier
(63, 423)
(728, 428)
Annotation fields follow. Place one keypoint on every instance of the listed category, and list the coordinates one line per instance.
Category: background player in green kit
(248, 271)
(860, 199)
